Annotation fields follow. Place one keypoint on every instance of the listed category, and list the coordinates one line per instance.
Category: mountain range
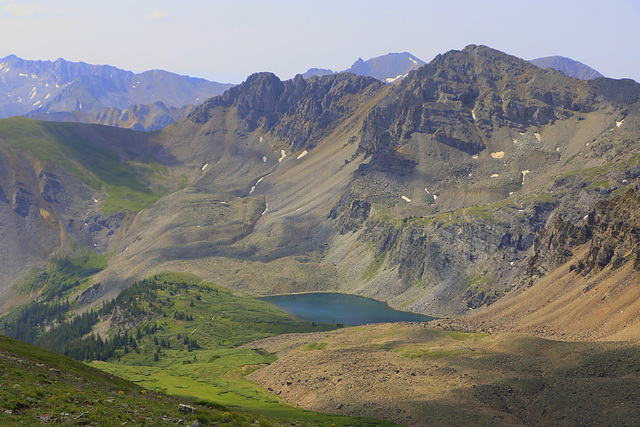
(427, 193)
(43, 88)
(496, 195)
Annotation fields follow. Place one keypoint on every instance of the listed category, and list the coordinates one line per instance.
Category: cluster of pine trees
(47, 322)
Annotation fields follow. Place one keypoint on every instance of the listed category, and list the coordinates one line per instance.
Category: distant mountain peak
(388, 68)
(568, 66)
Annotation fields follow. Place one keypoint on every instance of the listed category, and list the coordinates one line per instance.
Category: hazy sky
(228, 40)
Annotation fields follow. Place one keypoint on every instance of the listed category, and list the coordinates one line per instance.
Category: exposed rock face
(298, 111)
(462, 97)
(611, 228)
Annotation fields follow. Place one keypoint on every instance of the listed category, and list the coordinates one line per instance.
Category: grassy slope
(222, 321)
(38, 387)
(192, 350)
(100, 156)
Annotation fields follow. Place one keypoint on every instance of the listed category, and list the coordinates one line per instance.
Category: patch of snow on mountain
(393, 79)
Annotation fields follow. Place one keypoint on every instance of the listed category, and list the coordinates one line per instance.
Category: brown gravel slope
(419, 375)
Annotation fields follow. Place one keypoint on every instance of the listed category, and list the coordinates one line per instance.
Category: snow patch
(95, 200)
(36, 103)
(495, 175)
(618, 124)
(510, 193)
(474, 157)
(406, 199)
(48, 95)
(266, 208)
(304, 153)
(515, 141)
(538, 136)
(427, 191)
(205, 166)
(473, 114)
(435, 196)
(413, 60)
(257, 182)
(264, 159)
(497, 154)
(396, 78)
(524, 173)
(558, 149)
(260, 139)
(282, 156)
(23, 75)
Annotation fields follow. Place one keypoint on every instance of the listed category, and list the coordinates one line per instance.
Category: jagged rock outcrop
(611, 229)
(298, 111)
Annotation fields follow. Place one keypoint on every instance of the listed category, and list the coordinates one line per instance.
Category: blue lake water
(341, 308)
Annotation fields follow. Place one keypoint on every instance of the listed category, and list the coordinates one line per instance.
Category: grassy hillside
(103, 158)
(175, 334)
(40, 387)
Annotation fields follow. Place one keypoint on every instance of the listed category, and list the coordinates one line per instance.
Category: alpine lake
(341, 308)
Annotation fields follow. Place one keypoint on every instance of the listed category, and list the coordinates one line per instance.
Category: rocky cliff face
(611, 230)
(298, 111)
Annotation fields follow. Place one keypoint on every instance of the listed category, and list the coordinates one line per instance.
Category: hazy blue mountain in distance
(568, 66)
(142, 117)
(387, 68)
(63, 86)
(312, 72)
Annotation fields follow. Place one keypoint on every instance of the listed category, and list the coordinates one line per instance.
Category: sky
(226, 41)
